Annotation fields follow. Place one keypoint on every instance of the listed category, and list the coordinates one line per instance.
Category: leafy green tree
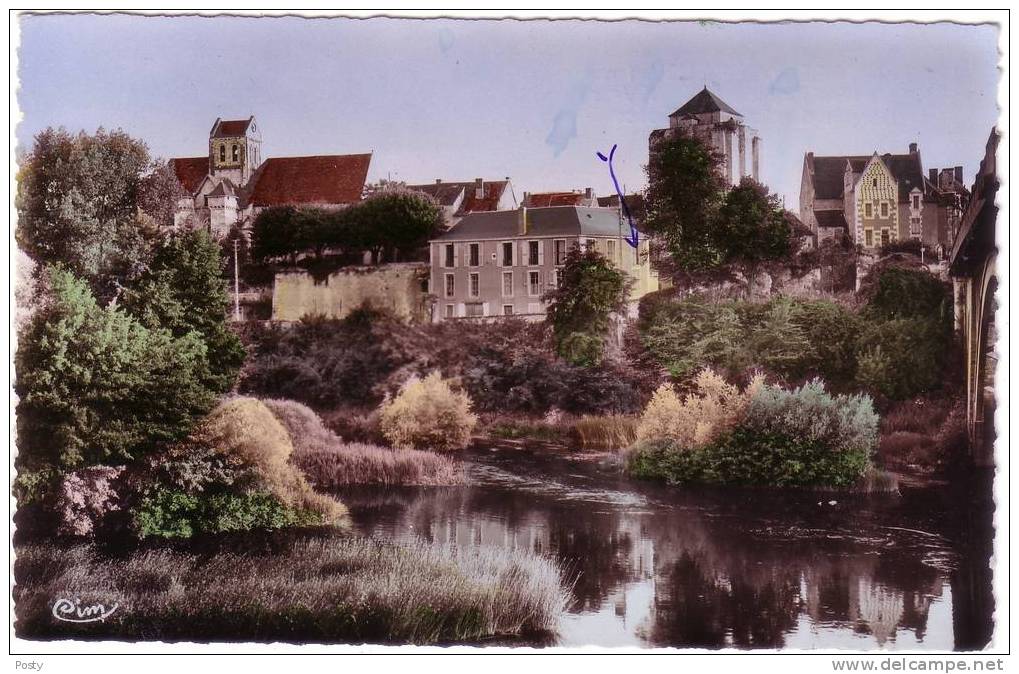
(183, 291)
(159, 192)
(77, 202)
(590, 289)
(274, 234)
(683, 195)
(393, 223)
(95, 386)
(751, 229)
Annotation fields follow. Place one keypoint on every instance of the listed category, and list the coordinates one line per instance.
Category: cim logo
(72, 611)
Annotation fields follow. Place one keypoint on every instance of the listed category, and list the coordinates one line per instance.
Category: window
(507, 284)
(884, 209)
(450, 287)
(450, 259)
(533, 253)
(474, 254)
(868, 210)
(558, 277)
(235, 153)
(507, 310)
(450, 310)
(533, 283)
(474, 285)
(507, 253)
(222, 152)
(475, 309)
(559, 246)
(610, 249)
(884, 237)
(916, 201)
(868, 237)
(875, 182)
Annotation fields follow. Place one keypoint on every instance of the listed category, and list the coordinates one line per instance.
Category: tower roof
(704, 101)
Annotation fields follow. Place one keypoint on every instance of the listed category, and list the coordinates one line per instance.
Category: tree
(77, 204)
(590, 289)
(183, 292)
(684, 192)
(751, 228)
(274, 234)
(394, 223)
(159, 193)
(95, 386)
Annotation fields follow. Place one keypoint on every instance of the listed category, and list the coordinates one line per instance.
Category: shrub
(85, 497)
(610, 432)
(901, 358)
(428, 414)
(244, 429)
(695, 420)
(832, 330)
(689, 334)
(803, 437)
(32, 486)
(97, 387)
(329, 462)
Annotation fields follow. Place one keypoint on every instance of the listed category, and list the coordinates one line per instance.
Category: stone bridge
(973, 267)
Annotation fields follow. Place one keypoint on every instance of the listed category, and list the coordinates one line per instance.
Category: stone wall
(396, 287)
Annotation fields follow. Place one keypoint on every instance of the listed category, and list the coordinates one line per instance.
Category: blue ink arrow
(634, 237)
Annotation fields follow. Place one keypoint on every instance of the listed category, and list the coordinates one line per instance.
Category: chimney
(933, 175)
(479, 188)
(912, 148)
(958, 174)
(588, 194)
(522, 220)
(438, 181)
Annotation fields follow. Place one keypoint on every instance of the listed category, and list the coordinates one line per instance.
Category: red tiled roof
(543, 199)
(232, 127)
(324, 179)
(190, 171)
(492, 192)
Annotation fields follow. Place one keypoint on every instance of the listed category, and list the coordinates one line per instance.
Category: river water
(694, 568)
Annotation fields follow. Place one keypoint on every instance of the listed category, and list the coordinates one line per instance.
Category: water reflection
(661, 567)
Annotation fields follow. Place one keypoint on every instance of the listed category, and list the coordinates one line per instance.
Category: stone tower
(713, 121)
(235, 149)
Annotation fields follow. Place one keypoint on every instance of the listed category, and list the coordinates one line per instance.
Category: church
(232, 184)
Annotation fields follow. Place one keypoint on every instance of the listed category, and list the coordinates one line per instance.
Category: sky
(532, 100)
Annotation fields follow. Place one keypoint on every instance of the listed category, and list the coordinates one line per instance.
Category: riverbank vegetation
(311, 589)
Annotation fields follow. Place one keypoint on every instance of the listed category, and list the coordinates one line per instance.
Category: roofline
(528, 237)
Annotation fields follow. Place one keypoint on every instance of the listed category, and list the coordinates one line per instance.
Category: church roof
(231, 127)
(321, 179)
(703, 102)
(224, 189)
(190, 171)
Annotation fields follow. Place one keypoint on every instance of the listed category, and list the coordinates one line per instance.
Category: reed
(606, 432)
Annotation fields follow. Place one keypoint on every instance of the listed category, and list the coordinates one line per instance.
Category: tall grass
(327, 461)
(614, 431)
(312, 590)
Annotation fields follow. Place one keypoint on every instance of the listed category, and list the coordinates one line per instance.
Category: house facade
(878, 199)
(501, 263)
(232, 184)
(713, 121)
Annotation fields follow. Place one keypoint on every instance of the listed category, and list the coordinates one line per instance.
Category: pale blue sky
(533, 100)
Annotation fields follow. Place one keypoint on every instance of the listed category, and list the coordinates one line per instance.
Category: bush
(329, 462)
(695, 420)
(85, 497)
(804, 437)
(97, 387)
(832, 331)
(428, 414)
(901, 358)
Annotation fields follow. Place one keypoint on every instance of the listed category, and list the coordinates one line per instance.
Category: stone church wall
(396, 287)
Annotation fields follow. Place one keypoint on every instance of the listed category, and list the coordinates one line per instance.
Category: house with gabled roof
(458, 199)
(232, 183)
(876, 199)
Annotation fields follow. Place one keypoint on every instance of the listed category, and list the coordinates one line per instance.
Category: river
(695, 568)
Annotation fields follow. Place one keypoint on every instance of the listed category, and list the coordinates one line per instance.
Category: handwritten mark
(634, 238)
(69, 610)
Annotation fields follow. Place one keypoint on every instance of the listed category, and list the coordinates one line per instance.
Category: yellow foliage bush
(428, 414)
(245, 430)
(713, 407)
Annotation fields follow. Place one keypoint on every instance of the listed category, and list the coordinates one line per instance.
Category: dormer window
(235, 153)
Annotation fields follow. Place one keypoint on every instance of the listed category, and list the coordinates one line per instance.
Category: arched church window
(235, 153)
(222, 152)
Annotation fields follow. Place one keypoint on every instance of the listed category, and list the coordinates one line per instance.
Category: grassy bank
(310, 590)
